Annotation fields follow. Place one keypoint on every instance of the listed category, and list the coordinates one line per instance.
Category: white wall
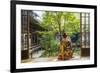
(5, 36)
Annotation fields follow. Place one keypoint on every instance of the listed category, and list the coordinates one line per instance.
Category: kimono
(65, 50)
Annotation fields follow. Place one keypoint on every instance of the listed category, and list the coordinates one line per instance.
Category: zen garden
(43, 31)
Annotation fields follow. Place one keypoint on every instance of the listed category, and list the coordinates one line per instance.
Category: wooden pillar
(28, 33)
(81, 33)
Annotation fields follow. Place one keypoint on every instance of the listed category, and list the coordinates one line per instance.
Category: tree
(56, 21)
(61, 21)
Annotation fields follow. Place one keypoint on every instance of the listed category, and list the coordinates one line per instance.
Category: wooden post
(81, 33)
(28, 32)
(85, 29)
(89, 29)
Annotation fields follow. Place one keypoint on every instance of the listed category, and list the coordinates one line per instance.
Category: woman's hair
(64, 35)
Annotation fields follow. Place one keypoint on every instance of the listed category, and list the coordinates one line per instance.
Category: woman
(65, 51)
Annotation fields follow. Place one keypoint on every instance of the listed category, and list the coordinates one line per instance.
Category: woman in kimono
(65, 49)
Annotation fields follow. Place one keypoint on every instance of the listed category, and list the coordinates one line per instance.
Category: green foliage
(49, 44)
(57, 22)
(61, 21)
(76, 51)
